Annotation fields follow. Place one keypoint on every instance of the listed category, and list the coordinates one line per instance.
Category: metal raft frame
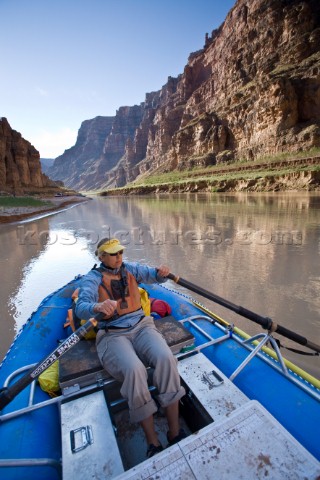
(71, 392)
(255, 350)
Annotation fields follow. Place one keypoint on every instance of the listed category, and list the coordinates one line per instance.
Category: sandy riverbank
(15, 214)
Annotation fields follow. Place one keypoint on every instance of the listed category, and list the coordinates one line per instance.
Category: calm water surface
(260, 251)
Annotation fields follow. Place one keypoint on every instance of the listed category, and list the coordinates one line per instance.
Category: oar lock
(271, 326)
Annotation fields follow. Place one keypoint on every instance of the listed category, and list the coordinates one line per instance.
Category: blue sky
(66, 61)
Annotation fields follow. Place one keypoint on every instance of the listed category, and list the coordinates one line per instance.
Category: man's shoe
(182, 434)
(153, 450)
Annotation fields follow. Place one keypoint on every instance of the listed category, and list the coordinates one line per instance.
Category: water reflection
(11, 257)
(52, 273)
(260, 251)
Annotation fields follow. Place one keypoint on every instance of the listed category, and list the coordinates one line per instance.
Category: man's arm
(146, 274)
(88, 295)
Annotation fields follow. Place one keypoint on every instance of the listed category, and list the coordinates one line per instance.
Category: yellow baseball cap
(111, 246)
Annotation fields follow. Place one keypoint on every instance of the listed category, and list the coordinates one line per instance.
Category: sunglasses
(115, 254)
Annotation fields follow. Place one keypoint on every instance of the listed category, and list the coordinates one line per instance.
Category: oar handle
(264, 322)
(297, 338)
(9, 393)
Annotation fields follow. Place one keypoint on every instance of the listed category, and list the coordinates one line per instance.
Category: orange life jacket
(121, 287)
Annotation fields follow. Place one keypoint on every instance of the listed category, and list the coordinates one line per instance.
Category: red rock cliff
(253, 90)
(20, 167)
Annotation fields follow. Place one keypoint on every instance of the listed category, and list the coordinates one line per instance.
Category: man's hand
(163, 270)
(107, 307)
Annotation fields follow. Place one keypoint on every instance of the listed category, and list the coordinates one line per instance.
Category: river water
(260, 251)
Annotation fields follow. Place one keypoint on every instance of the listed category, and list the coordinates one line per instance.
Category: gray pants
(124, 354)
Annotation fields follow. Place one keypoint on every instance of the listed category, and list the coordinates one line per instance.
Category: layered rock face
(100, 145)
(20, 168)
(46, 163)
(253, 90)
(77, 165)
(264, 85)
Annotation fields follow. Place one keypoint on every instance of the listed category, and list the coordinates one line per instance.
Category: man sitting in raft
(128, 339)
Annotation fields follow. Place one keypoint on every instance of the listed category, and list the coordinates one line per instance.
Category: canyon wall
(252, 90)
(20, 168)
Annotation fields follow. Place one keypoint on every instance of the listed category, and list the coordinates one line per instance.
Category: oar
(265, 322)
(9, 393)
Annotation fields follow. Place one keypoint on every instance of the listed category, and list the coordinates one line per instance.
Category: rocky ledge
(271, 182)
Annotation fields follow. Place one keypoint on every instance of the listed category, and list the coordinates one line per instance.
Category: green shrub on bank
(22, 202)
